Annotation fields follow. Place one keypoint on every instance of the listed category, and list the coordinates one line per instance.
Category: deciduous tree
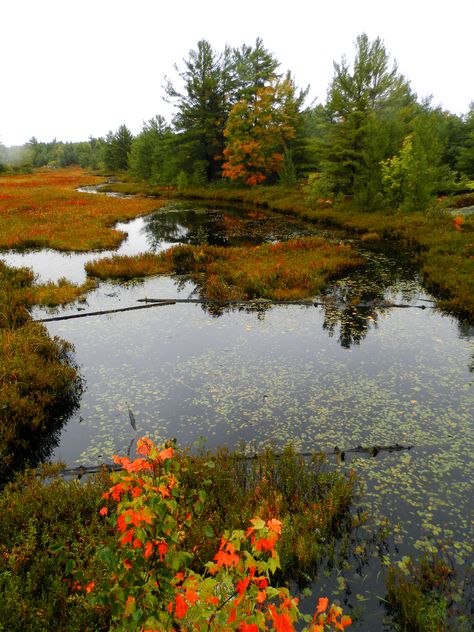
(259, 130)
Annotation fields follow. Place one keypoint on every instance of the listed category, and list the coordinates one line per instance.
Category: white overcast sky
(74, 68)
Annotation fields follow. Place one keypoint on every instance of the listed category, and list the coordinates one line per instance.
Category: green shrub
(48, 532)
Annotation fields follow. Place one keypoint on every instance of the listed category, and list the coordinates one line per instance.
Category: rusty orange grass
(290, 270)
(44, 210)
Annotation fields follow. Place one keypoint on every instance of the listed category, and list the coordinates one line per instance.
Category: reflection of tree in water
(220, 227)
(173, 227)
(353, 323)
(352, 303)
(218, 309)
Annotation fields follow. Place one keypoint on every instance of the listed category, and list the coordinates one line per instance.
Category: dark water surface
(317, 377)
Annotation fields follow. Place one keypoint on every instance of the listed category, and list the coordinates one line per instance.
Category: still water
(317, 377)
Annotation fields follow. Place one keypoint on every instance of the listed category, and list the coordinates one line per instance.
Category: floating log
(269, 302)
(104, 311)
(255, 303)
(82, 470)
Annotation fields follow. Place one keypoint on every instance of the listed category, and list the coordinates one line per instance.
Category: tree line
(238, 119)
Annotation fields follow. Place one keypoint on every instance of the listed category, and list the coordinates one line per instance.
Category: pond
(319, 377)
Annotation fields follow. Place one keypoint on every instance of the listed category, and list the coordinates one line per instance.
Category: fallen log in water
(255, 303)
(104, 311)
(82, 470)
(268, 302)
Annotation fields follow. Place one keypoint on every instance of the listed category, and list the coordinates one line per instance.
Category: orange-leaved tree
(258, 130)
(150, 587)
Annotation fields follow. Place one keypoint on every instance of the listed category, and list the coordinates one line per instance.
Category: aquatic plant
(427, 595)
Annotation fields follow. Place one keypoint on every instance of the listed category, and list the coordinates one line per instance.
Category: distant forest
(240, 121)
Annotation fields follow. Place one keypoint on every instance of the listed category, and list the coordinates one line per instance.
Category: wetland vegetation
(289, 270)
(360, 205)
(39, 386)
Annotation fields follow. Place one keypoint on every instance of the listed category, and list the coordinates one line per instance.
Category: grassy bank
(289, 270)
(444, 248)
(44, 210)
(51, 529)
(38, 384)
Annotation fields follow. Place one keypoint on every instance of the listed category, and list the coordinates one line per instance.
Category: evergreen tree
(213, 84)
(368, 107)
(108, 157)
(117, 149)
(147, 148)
(3, 157)
(122, 145)
(203, 105)
(465, 154)
(253, 68)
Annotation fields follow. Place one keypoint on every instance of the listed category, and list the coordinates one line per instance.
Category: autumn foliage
(257, 132)
(150, 585)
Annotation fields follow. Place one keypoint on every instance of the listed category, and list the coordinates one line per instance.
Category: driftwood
(264, 302)
(256, 304)
(82, 470)
(104, 311)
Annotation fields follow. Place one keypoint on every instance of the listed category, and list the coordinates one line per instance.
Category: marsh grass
(289, 270)
(428, 596)
(39, 385)
(51, 528)
(44, 210)
(60, 293)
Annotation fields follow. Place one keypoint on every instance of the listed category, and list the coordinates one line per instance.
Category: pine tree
(202, 106)
(465, 156)
(368, 106)
(117, 149)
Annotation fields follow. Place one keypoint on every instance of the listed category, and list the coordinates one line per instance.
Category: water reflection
(177, 223)
(220, 226)
(352, 305)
